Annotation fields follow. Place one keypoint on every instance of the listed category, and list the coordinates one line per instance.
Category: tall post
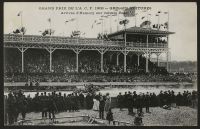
(22, 61)
(136, 20)
(50, 62)
(167, 61)
(102, 51)
(50, 50)
(22, 50)
(102, 63)
(118, 58)
(118, 21)
(110, 23)
(138, 59)
(124, 62)
(147, 69)
(77, 61)
(158, 59)
(77, 51)
(125, 53)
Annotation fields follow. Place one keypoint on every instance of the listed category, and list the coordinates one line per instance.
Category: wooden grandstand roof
(140, 30)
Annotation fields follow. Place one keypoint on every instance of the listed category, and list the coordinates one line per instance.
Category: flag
(166, 24)
(145, 24)
(16, 31)
(49, 20)
(73, 19)
(98, 23)
(19, 14)
(121, 22)
(23, 30)
(142, 17)
(66, 21)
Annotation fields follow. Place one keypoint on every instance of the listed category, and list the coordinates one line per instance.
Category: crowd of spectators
(36, 68)
(99, 78)
(48, 104)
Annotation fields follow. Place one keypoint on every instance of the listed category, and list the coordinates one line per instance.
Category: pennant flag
(98, 23)
(16, 31)
(23, 30)
(49, 20)
(66, 21)
(73, 19)
(145, 24)
(166, 24)
(19, 14)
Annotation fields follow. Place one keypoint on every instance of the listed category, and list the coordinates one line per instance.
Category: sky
(34, 16)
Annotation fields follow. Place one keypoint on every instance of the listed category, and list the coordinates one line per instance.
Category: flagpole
(135, 20)
(117, 20)
(168, 21)
(21, 20)
(158, 21)
(110, 25)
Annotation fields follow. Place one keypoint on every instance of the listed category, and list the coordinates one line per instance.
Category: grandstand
(125, 51)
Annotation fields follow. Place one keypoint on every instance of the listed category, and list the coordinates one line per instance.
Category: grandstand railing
(76, 41)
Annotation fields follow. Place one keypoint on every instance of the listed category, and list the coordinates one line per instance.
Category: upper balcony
(36, 39)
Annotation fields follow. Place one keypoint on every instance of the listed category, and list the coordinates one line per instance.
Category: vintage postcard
(100, 64)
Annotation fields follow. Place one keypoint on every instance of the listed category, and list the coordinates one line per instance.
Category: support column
(50, 50)
(138, 59)
(158, 54)
(102, 51)
(118, 58)
(77, 51)
(168, 48)
(102, 62)
(167, 56)
(22, 50)
(125, 53)
(147, 62)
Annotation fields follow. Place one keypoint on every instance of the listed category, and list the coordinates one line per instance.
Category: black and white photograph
(100, 63)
